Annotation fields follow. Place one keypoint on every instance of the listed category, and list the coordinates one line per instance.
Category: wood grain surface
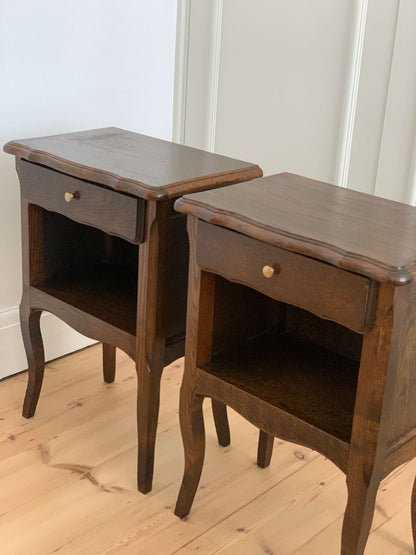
(100, 207)
(358, 414)
(344, 297)
(144, 166)
(351, 230)
(62, 492)
(80, 254)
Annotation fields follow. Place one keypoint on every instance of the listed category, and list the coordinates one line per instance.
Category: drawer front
(112, 212)
(324, 290)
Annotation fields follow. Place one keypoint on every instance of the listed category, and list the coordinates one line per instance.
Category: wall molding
(214, 73)
(350, 102)
(59, 340)
(411, 184)
(388, 94)
(181, 70)
(9, 317)
(214, 29)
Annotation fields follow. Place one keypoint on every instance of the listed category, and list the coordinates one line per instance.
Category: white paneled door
(323, 89)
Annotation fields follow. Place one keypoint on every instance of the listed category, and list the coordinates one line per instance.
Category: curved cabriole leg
(222, 427)
(413, 514)
(359, 512)
(109, 363)
(193, 437)
(32, 339)
(265, 449)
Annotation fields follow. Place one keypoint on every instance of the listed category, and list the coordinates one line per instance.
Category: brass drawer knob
(268, 271)
(70, 196)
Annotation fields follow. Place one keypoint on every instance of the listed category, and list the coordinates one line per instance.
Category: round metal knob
(69, 196)
(268, 271)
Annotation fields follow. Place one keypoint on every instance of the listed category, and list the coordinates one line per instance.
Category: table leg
(109, 362)
(32, 339)
(413, 514)
(151, 315)
(33, 272)
(147, 415)
(362, 491)
(265, 449)
(372, 415)
(222, 427)
(193, 437)
(199, 326)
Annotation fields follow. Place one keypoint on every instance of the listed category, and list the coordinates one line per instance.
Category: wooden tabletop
(137, 164)
(351, 230)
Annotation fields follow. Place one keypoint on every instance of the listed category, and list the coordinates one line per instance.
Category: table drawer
(320, 288)
(113, 212)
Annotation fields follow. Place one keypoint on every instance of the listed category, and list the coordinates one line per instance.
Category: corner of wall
(59, 339)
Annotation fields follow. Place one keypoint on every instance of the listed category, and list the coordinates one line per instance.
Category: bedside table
(321, 287)
(104, 250)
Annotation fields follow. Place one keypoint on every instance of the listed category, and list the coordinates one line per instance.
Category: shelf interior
(98, 273)
(106, 291)
(295, 375)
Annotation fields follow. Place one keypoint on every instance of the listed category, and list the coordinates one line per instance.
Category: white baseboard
(59, 339)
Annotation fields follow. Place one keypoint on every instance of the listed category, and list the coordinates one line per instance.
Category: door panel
(324, 89)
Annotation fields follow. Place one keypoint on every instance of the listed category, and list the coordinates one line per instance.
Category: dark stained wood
(33, 259)
(348, 394)
(82, 260)
(95, 293)
(91, 283)
(222, 428)
(241, 313)
(399, 452)
(347, 229)
(112, 212)
(401, 430)
(151, 320)
(177, 278)
(109, 363)
(265, 449)
(32, 339)
(33, 271)
(199, 324)
(403, 354)
(143, 166)
(71, 250)
(372, 414)
(303, 379)
(329, 335)
(174, 348)
(413, 512)
(84, 322)
(344, 297)
(272, 420)
(153, 306)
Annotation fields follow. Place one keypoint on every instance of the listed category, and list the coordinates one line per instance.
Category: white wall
(68, 66)
(324, 89)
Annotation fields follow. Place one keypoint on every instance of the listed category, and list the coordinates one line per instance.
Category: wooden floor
(68, 478)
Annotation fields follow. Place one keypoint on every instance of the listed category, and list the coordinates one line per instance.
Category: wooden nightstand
(104, 250)
(320, 285)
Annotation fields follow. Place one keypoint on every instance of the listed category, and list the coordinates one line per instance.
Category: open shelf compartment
(305, 380)
(97, 273)
(286, 357)
(106, 291)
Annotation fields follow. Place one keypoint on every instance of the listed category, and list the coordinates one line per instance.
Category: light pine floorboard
(68, 479)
